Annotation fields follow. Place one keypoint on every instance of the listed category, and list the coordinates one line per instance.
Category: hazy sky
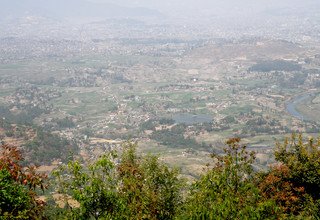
(211, 4)
(173, 10)
(217, 7)
(229, 15)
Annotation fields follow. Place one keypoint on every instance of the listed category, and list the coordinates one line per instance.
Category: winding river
(291, 105)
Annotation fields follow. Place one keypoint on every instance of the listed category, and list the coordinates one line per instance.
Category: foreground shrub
(134, 188)
(18, 184)
(227, 191)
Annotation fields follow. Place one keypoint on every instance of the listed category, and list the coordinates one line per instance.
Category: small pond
(189, 119)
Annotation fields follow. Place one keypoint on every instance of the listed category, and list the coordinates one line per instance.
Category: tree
(227, 191)
(149, 189)
(292, 200)
(94, 188)
(18, 197)
(295, 183)
(129, 187)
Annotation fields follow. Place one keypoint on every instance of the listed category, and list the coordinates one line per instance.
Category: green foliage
(17, 187)
(148, 125)
(229, 119)
(302, 159)
(65, 123)
(169, 138)
(142, 187)
(175, 137)
(150, 190)
(276, 65)
(292, 200)
(136, 188)
(94, 188)
(15, 201)
(46, 147)
(227, 191)
(295, 80)
(26, 116)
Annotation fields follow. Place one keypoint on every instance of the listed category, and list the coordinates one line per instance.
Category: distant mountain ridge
(60, 9)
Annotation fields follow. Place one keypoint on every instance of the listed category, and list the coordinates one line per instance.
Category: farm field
(130, 96)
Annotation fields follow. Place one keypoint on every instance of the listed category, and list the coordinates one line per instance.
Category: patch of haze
(232, 17)
(219, 7)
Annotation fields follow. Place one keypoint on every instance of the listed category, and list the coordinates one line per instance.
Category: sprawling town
(148, 109)
(178, 91)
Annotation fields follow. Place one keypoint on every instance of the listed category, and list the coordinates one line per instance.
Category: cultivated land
(105, 91)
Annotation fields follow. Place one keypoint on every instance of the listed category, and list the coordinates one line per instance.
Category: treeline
(166, 132)
(46, 147)
(40, 145)
(130, 186)
(174, 138)
(22, 117)
(275, 65)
